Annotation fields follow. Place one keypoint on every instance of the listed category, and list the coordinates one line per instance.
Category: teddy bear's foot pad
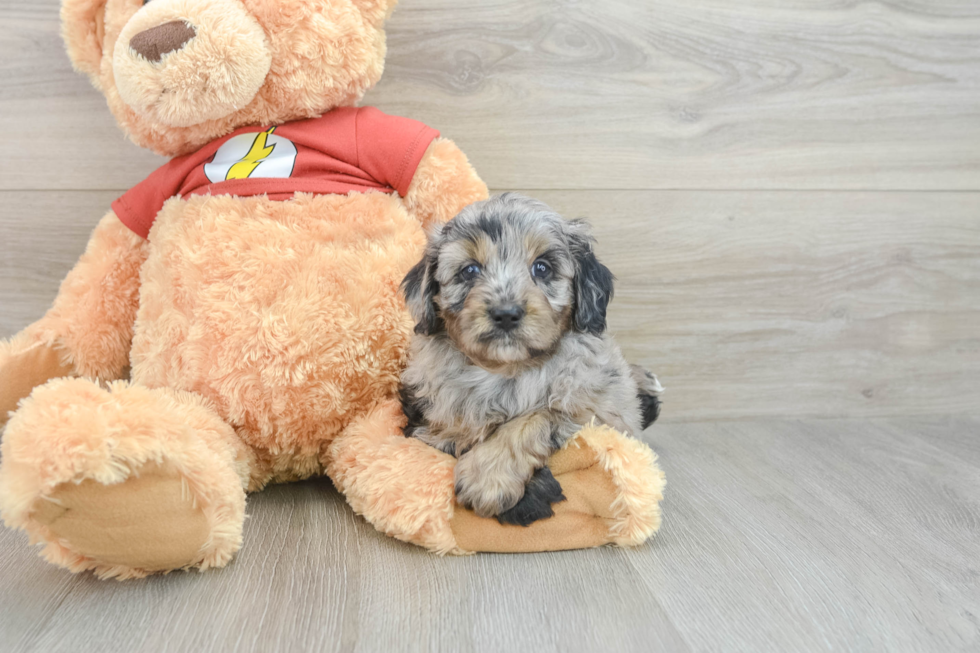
(123, 480)
(150, 521)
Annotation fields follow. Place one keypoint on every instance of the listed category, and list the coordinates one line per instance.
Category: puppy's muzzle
(507, 317)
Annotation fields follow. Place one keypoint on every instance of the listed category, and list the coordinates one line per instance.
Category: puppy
(510, 359)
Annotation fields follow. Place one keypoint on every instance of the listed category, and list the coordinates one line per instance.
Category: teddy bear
(235, 319)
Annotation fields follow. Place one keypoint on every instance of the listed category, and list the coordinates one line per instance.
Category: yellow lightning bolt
(256, 154)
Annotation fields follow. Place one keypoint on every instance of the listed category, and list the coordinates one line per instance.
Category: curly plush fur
(510, 357)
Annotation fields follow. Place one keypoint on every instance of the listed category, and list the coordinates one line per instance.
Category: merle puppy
(510, 357)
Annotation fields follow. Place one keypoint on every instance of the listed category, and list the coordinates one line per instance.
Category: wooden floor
(792, 535)
(789, 194)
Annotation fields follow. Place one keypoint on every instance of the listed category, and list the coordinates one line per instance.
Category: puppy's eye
(470, 272)
(540, 269)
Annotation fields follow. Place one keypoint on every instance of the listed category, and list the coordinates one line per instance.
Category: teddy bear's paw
(613, 490)
(150, 522)
(123, 480)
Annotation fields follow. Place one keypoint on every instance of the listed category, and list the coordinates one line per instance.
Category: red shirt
(345, 150)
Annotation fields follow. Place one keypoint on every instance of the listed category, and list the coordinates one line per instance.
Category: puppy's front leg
(490, 477)
(453, 440)
(441, 440)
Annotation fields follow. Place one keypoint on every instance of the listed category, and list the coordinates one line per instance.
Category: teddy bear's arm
(612, 484)
(88, 329)
(443, 184)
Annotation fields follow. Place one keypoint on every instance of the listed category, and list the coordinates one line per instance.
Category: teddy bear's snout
(179, 63)
(157, 41)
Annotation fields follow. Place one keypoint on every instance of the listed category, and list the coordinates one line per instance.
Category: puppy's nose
(157, 41)
(507, 317)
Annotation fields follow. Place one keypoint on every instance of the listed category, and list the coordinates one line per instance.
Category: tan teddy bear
(236, 319)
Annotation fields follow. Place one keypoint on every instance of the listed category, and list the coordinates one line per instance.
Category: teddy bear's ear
(376, 11)
(83, 29)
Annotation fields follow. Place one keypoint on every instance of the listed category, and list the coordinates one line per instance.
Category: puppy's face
(506, 279)
(505, 287)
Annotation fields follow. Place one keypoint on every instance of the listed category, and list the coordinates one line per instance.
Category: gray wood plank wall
(756, 173)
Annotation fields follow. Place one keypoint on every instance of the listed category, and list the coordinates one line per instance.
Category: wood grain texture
(43, 235)
(820, 535)
(617, 94)
(778, 536)
(745, 303)
(793, 304)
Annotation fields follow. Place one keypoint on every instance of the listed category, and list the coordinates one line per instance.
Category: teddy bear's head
(180, 73)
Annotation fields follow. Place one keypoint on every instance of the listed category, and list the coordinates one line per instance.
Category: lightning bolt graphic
(256, 154)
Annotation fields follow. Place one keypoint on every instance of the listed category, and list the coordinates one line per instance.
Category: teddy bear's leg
(123, 480)
(612, 486)
(87, 332)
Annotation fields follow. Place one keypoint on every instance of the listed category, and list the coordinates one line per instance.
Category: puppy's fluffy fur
(510, 358)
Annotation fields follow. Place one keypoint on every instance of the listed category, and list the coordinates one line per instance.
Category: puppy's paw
(541, 491)
(487, 488)
(650, 409)
(646, 382)
(648, 394)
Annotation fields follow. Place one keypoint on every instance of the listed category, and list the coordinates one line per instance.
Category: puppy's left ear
(593, 282)
(420, 288)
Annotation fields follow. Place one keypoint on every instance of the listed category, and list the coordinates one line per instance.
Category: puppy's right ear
(420, 288)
